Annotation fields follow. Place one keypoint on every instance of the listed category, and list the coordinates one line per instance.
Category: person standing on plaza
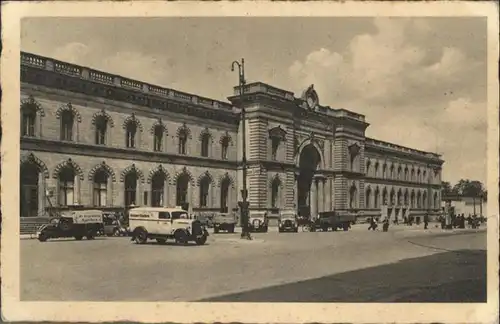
(426, 221)
(373, 224)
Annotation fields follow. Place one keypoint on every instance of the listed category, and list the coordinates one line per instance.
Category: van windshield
(179, 215)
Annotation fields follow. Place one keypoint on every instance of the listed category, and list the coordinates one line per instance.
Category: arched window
(418, 175)
(384, 170)
(375, 173)
(392, 197)
(436, 201)
(353, 193)
(419, 205)
(412, 175)
(224, 195)
(100, 188)
(424, 200)
(28, 120)
(131, 188)
(412, 199)
(406, 198)
(354, 151)
(406, 174)
(182, 142)
(130, 133)
(204, 191)
(275, 190)
(384, 196)
(66, 186)
(224, 147)
(275, 144)
(376, 202)
(182, 189)
(399, 173)
(67, 124)
(205, 142)
(101, 127)
(391, 172)
(368, 198)
(400, 196)
(424, 176)
(157, 189)
(367, 171)
(158, 138)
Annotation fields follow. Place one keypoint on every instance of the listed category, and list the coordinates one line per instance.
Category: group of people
(385, 223)
(459, 221)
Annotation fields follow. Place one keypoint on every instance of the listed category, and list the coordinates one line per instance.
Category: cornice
(74, 148)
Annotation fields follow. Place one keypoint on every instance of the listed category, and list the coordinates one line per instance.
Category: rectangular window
(164, 215)
(100, 194)
(28, 125)
(66, 194)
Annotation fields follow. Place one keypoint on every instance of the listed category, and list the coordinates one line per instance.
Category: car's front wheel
(141, 236)
(42, 237)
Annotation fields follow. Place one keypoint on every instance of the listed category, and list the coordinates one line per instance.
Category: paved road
(402, 265)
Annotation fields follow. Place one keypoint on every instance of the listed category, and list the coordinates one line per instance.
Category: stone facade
(97, 140)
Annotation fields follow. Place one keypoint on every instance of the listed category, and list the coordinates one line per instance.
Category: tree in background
(471, 188)
(447, 190)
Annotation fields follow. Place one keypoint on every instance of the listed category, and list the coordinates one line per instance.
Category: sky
(420, 82)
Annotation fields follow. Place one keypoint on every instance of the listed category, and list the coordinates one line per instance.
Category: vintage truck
(335, 220)
(224, 222)
(162, 224)
(77, 224)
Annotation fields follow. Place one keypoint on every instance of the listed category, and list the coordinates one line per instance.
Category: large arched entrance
(29, 190)
(307, 195)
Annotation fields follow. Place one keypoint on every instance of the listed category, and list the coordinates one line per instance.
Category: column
(109, 192)
(313, 199)
(41, 194)
(138, 194)
(165, 193)
(190, 195)
(296, 192)
(76, 194)
(321, 196)
(328, 195)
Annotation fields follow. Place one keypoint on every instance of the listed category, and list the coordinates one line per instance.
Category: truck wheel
(90, 235)
(201, 240)
(42, 237)
(141, 236)
(78, 237)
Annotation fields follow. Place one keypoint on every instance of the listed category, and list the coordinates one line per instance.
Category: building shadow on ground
(457, 276)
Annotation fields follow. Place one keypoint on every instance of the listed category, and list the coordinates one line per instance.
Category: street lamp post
(245, 234)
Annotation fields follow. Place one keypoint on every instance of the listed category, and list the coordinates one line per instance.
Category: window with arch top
(277, 135)
(67, 125)
(131, 132)
(205, 144)
(182, 145)
(101, 127)
(28, 120)
(158, 138)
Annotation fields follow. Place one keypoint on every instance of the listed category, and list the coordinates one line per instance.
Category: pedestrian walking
(385, 226)
(373, 224)
(426, 221)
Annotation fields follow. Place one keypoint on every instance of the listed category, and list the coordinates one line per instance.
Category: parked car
(224, 222)
(258, 221)
(77, 224)
(113, 225)
(288, 221)
(163, 224)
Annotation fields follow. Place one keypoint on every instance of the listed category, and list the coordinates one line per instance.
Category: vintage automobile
(331, 220)
(77, 224)
(113, 225)
(224, 222)
(288, 221)
(258, 221)
(165, 223)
